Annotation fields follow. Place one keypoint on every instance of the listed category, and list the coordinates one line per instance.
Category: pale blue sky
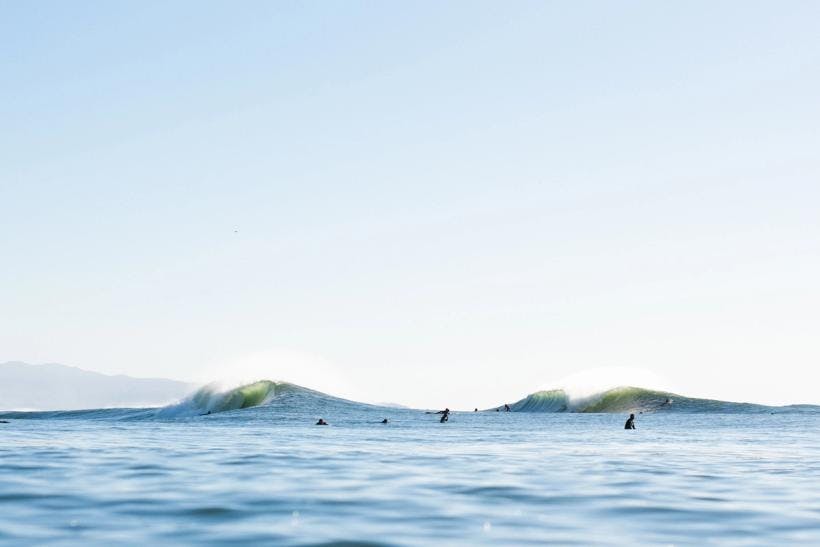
(429, 203)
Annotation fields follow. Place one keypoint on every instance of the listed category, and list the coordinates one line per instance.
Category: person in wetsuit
(630, 423)
(506, 407)
(385, 421)
(445, 416)
(322, 422)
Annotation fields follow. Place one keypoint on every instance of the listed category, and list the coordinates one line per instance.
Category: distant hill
(59, 387)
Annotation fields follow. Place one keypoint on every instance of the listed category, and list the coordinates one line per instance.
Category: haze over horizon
(435, 205)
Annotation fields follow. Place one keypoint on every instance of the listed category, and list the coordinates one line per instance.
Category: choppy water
(267, 475)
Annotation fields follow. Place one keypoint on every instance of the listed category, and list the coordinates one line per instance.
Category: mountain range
(58, 387)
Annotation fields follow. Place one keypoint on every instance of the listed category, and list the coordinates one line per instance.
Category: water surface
(268, 475)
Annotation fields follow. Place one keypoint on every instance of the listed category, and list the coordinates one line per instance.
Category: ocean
(266, 475)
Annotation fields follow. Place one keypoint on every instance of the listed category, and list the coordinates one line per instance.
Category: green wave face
(614, 400)
(629, 399)
(625, 399)
(247, 396)
(214, 398)
(555, 400)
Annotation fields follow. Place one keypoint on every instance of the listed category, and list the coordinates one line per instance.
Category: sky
(424, 203)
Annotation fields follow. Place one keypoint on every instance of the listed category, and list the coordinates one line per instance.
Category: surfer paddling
(630, 423)
(322, 422)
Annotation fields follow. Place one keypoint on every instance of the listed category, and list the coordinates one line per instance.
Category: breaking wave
(281, 398)
(635, 399)
(212, 398)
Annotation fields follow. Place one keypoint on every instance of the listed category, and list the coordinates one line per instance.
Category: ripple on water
(224, 482)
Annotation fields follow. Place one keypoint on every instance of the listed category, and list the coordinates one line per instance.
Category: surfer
(445, 416)
(630, 423)
(506, 407)
(385, 421)
(476, 410)
(322, 422)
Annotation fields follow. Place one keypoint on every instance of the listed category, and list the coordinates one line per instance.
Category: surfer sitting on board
(630, 423)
